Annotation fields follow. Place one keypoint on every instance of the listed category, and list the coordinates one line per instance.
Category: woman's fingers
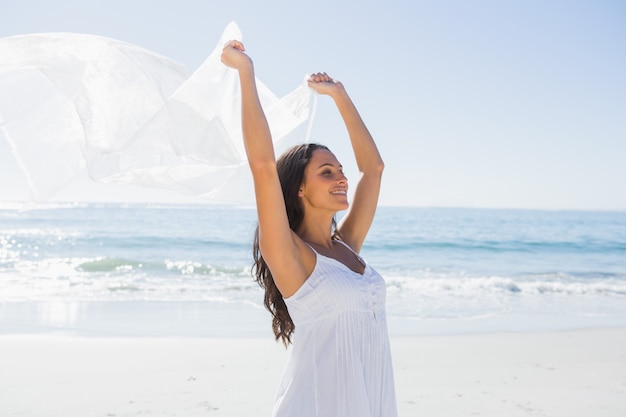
(235, 44)
(320, 77)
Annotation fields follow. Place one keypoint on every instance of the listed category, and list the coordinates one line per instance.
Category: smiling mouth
(339, 192)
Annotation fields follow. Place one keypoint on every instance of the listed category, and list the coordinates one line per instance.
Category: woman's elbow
(378, 167)
(262, 167)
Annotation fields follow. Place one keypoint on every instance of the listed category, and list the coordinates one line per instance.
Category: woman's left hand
(322, 83)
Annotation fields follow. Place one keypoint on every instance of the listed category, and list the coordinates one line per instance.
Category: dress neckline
(344, 265)
(358, 257)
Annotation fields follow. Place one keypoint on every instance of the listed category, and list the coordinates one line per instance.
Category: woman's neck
(316, 231)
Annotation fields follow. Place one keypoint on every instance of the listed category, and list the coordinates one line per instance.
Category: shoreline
(200, 319)
(563, 373)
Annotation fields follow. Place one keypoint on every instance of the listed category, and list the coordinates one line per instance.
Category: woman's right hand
(234, 56)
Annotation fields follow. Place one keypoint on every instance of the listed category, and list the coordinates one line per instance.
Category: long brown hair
(290, 166)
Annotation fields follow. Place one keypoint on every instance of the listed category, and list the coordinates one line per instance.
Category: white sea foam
(430, 284)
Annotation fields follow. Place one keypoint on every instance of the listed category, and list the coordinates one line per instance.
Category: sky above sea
(472, 104)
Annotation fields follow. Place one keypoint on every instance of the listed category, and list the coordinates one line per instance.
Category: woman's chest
(341, 289)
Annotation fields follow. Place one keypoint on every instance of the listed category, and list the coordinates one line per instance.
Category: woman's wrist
(339, 94)
(246, 66)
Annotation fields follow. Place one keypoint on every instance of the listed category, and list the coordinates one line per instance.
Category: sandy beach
(573, 373)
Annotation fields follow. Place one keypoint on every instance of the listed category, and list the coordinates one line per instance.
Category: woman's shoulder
(293, 269)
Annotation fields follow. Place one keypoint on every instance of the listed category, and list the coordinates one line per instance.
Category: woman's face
(324, 184)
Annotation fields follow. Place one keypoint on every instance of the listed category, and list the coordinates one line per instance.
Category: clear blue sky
(473, 104)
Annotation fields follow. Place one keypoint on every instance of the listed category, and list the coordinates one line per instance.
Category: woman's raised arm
(280, 247)
(356, 223)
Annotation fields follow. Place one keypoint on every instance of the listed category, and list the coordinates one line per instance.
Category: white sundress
(340, 364)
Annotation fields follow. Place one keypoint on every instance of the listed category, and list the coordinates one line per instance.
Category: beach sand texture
(551, 374)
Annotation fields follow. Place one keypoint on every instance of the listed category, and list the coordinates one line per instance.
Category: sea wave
(102, 278)
(115, 278)
(432, 284)
(502, 246)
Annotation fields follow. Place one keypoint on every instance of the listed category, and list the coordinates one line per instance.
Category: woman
(315, 282)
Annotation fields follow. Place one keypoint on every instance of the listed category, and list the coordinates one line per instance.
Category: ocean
(150, 269)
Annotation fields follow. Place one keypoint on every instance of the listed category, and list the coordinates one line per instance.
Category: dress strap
(310, 246)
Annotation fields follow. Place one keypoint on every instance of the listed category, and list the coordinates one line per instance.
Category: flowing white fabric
(70, 102)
